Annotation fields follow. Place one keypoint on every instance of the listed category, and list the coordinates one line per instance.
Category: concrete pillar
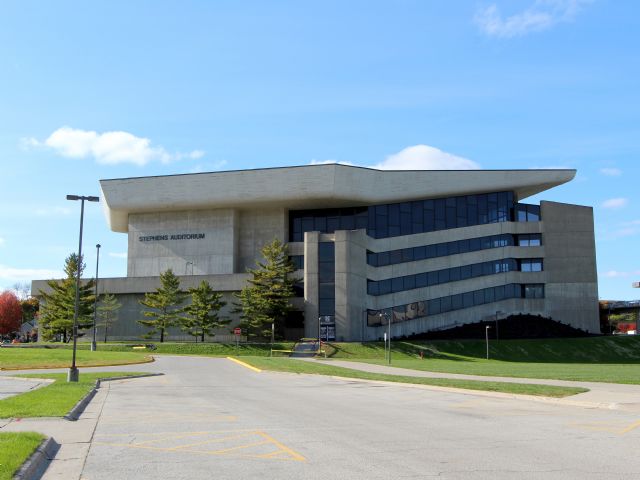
(311, 240)
(351, 284)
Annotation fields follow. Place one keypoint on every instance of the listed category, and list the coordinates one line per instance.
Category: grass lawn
(600, 359)
(298, 366)
(15, 448)
(54, 400)
(27, 358)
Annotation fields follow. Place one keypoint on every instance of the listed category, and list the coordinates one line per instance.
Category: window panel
(397, 284)
(421, 280)
(409, 282)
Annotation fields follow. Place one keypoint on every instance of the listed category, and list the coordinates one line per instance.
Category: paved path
(211, 418)
(13, 386)
(613, 396)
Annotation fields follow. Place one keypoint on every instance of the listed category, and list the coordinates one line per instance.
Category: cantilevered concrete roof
(311, 186)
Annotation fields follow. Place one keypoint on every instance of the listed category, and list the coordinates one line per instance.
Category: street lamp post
(95, 301)
(486, 336)
(73, 374)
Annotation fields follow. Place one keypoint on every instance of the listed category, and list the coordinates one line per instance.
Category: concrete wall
(215, 253)
(571, 277)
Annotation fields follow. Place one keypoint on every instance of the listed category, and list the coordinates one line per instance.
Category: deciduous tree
(10, 313)
(163, 307)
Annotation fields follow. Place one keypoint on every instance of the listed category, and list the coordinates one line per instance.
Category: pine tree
(203, 311)
(108, 312)
(163, 306)
(57, 310)
(267, 297)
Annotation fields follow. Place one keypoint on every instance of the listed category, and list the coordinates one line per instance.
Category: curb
(12, 369)
(79, 407)
(37, 463)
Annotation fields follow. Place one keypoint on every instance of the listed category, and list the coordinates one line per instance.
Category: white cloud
(328, 162)
(11, 273)
(541, 15)
(425, 157)
(614, 203)
(118, 254)
(52, 211)
(611, 172)
(108, 148)
(208, 167)
(618, 274)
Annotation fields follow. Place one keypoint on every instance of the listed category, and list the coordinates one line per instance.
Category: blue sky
(93, 90)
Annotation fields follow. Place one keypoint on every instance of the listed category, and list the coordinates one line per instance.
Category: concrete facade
(212, 226)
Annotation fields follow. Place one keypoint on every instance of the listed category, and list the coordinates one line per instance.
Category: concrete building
(423, 249)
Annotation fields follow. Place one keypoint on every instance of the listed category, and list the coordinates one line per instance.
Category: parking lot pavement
(213, 418)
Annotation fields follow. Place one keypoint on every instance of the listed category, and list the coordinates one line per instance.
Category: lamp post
(387, 336)
(486, 336)
(95, 301)
(72, 375)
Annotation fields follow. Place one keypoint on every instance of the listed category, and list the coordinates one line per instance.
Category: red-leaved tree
(10, 313)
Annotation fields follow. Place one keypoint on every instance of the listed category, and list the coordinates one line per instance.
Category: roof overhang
(311, 186)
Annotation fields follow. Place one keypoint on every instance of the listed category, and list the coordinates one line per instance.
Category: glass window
(443, 276)
(441, 250)
(535, 240)
(383, 259)
(431, 251)
(534, 291)
(478, 297)
(384, 287)
(421, 280)
(409, 282)
(372, 259)
(474, 244)
(432, 278)
(456, 302)
(347, 223)
(395, 256)
(463, 246)
(326, 272)
(327, 290)
(372, 288)
(399, 314)
(326, 306)
(476, 270)
(489, 295)
(407, 254)
(467, 299)
(499, 293)
(397, 284)
(433, 306)
(394, 215)
(454, 274)
(533, 213)
(419, 253)
(453, 248)
(326, 252)
(465, 272)
(445, 304)
(405, 223)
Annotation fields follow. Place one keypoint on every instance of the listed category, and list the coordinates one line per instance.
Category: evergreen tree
(163, 306)
(57, 310)
(108, 312)
(203, 311)
(267, 297)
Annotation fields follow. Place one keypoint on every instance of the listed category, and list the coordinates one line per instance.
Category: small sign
(237, 331)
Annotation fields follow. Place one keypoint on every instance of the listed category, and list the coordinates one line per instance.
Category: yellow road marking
(240, 362)
(630, 427)
(262, 442)
(607, 427)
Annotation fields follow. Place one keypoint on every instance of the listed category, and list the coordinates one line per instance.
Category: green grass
(298, 366)
(596, 359)
(54, 400)
(189, 348)
(29, 358)
(15, 448)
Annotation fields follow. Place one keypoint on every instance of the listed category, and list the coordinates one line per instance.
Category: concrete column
(351, 284)
(311, 240)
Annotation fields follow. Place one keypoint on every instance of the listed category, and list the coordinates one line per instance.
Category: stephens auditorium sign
(177, 236)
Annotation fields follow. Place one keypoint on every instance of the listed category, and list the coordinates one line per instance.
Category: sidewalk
(611, 396)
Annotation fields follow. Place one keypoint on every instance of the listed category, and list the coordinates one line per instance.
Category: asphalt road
(211, 418)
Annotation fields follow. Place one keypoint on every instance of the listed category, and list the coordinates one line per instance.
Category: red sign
(237, 331)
